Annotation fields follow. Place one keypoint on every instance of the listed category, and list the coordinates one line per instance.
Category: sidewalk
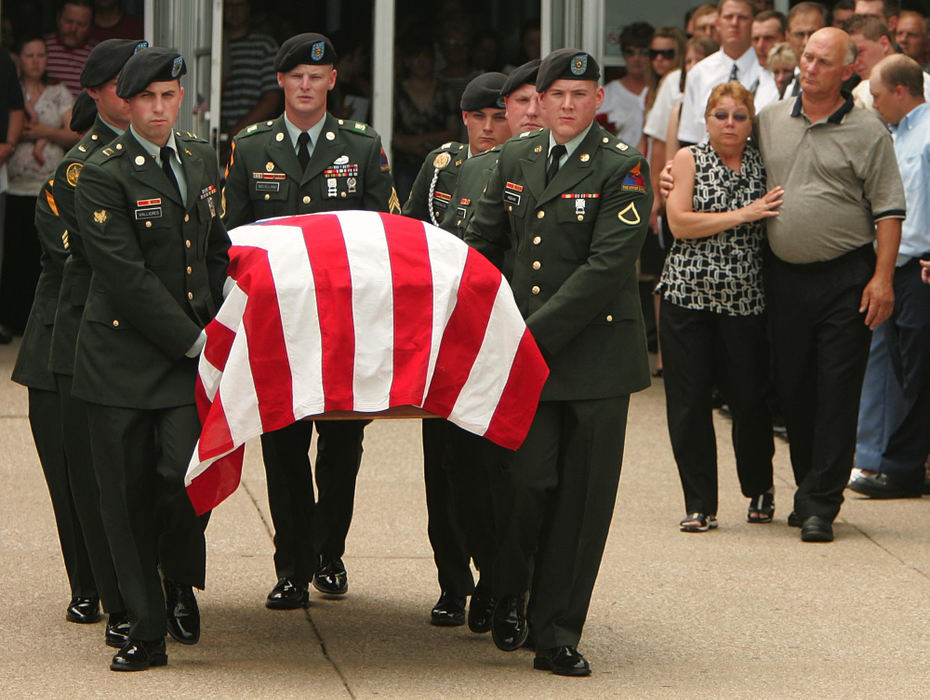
(747, 611)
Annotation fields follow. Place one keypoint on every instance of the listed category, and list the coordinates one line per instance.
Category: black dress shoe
(83, 610)
(287, 595)
(879, 485)
(117, 634)
(449, 611)
(480, 612)
(794, 520)
(138, 656)
(508, 623)
(331, 577)
(183, 613)
(816, 529)
(564, 661)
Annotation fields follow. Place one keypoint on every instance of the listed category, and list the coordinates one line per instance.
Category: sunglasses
(667, 54)
(737, 116)
(636, 52)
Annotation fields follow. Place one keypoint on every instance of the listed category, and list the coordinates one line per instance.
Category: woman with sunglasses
(713, 310)
(625, 98)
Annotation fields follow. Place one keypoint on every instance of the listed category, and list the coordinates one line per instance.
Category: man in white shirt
(736, 60)
(874, 42)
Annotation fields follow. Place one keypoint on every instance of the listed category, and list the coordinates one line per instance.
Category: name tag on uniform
(150, 213)
(512, 193)
(263, 186)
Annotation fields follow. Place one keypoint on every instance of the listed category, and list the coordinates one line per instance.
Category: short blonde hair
(781, 54)
(734, 90)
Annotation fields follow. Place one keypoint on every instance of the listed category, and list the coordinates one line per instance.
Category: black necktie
(733, 73)
(555, 154)
(166, 153)
(303, 153)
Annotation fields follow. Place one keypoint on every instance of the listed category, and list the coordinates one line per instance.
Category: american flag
(357, 311)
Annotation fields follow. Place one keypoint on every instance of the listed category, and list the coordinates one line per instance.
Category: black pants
(85, 493)
(140, 457)
(700, 350)
(908, 333)
(21, 266)
(45, 421)
(821, 347)
(563, 486)
(305, 529)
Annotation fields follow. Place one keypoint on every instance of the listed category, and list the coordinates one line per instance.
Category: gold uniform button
(610, 319)
(509, 207)
(94, 137)
(115, 323)
(267, 196)
(535, 289)
(148, 224)
(306, 199)
(187, 217)
(342, 194)
(537, 240)
(189, 269)
(190, 295)
(581, 217)
(187, 243)
(536, 264)
(540, 214)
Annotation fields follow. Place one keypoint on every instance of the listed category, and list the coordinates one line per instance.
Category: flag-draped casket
(363, 312)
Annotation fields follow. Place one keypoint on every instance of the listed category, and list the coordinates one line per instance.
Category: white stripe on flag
(482, 391)
(447, 255)
(372, 309)
(239, 399)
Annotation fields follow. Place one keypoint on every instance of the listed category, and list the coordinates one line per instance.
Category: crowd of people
(768, 174)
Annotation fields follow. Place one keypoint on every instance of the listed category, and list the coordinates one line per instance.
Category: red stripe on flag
(413, 308)
(218, 482)
(511, 421)
(460, 341)
(332, 277)
(219, 343)
(271, 371)
(215, 436)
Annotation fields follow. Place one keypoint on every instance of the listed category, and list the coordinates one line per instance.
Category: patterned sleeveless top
(720, 273)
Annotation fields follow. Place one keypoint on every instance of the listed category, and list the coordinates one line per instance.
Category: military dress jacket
(158, 272)
(347, 170)
(76, 276)
(469, 186)
(575, 242)
(31, 367)
(431, 195)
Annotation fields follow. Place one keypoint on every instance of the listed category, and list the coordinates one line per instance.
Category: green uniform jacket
(348, 170)
(158, 273)
(31, 367)
(576, 242)
(75, 280)
(472, 180)
(431, 195)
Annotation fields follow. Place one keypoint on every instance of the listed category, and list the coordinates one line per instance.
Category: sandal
(698, 522)
(761, 508)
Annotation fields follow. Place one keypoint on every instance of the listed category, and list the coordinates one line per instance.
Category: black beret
(152, 65)
(107, 60)
(566, 64)
(484, 92)
(83, 112)
(312, 49)
(520, 76)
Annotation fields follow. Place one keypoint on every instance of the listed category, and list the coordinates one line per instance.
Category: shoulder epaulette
(612, 143)
(256, 128)
(531, 132)
(110, 152)
(356, 127)
(189, 136)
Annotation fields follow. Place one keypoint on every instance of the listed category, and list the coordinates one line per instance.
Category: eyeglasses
(667, 54)
(636, 52)
(738, 117)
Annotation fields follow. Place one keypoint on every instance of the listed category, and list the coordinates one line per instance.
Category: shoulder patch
(256, 128)
(72, 173)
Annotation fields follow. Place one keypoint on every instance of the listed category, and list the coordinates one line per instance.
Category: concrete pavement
(747, 611)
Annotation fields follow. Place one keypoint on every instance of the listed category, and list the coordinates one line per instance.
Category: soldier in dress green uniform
(458, 509)
(149, 215)
(572, 202)
(308, 161)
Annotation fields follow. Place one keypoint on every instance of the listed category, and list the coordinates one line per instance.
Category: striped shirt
(66, 64)
(250, 73)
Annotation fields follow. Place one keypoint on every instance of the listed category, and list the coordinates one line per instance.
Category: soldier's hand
(925, 271)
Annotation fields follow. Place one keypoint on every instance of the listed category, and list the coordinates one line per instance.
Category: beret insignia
(176, 67)
(316, 51)
(580, 64)
(141, 45)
